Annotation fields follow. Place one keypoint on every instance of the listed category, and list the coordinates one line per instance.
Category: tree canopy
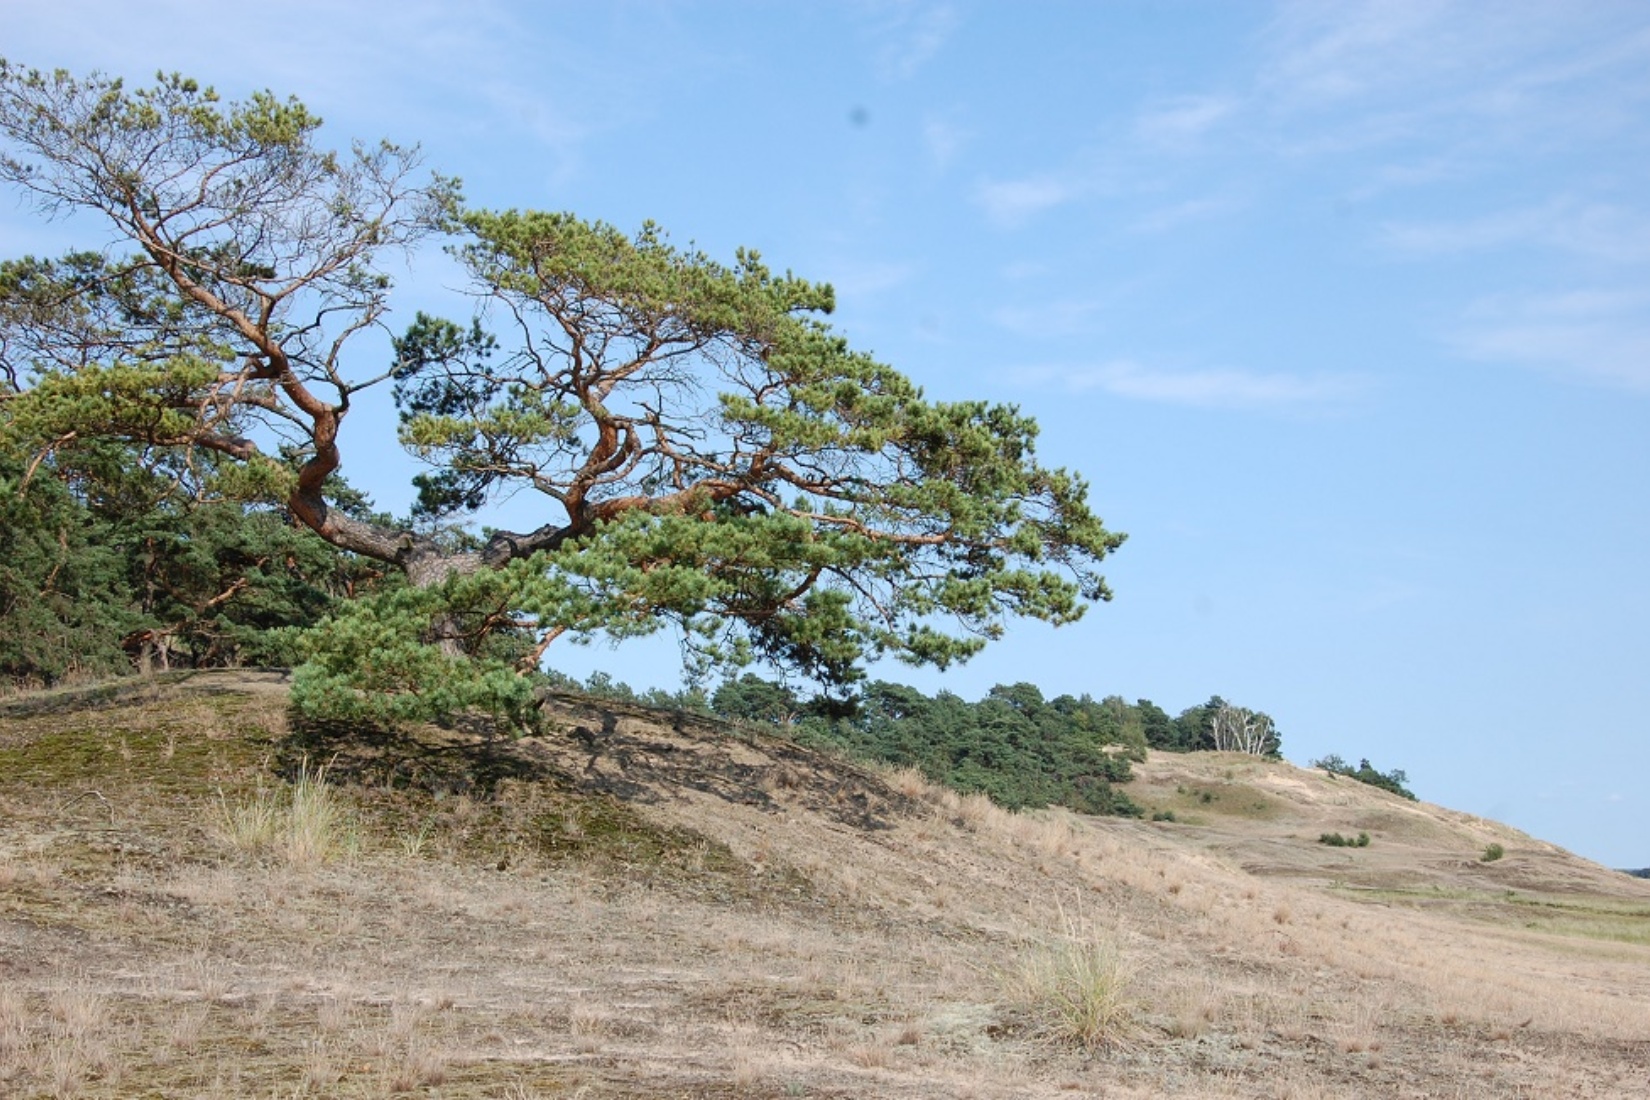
(707, 450)
(106, 566)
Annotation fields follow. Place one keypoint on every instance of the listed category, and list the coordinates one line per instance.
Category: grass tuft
(1078, 989)
(306, 824)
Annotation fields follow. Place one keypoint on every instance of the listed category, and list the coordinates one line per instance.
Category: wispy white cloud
(1183, 120)
(944, 140)
(1360, 73)
(409, 70)
(549, 124)
(1322, 53)
(1010, 203)
(1130, 169)
(1598, 230)
(1596, 336)
(1428, 169)
(1226, 388)
(321, 48)
(1061, 317)
(909, 34)
(1177, 214)
(864, 279)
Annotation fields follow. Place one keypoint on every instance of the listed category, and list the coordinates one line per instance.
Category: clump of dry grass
(1079, 988)
(59, 1043)
(910, 782)
(977, 813)
(306, 824)
(415, 844)
(413, 1065)
(1195, 1009)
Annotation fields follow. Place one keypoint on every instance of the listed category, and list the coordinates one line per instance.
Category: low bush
(1336, 840)
(1492, 853)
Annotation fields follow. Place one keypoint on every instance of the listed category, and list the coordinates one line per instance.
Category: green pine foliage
(706, 454)
(106, 566)
(379, 661)
(1013, 745)
(65, 594)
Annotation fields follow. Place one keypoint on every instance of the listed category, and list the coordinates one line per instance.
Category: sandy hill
(649, 905)
(1257, 814)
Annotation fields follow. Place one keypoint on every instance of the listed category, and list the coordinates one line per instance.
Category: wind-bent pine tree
(708, 452)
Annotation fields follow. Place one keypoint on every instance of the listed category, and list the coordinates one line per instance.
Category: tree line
(1013, 744)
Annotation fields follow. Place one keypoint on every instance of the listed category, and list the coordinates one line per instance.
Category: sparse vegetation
(1492, 852)
(1393, 780)
(641, 902)
(1336, 840)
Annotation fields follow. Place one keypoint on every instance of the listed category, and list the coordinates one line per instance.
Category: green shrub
(1336, 840)
(1163, 815)
(367, 664)
(1492, 853)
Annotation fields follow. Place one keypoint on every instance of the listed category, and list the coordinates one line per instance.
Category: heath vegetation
(647, 902)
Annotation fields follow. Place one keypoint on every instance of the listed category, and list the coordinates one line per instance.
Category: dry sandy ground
(636, 908)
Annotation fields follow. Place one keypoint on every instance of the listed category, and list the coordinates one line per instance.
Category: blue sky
(1342, 308)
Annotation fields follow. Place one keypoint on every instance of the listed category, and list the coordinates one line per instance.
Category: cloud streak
(869, 279)
(455, 73)
(1441, 73)
(1060, 317)
(1215, 388)
(1184, 120)
(1598, 230)
(1009, 203)
(910, 35)
(1599, 336)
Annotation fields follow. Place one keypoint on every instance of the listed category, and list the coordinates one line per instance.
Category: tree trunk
(427, 569)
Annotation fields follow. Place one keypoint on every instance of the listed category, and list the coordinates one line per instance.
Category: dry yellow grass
(654, 911)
